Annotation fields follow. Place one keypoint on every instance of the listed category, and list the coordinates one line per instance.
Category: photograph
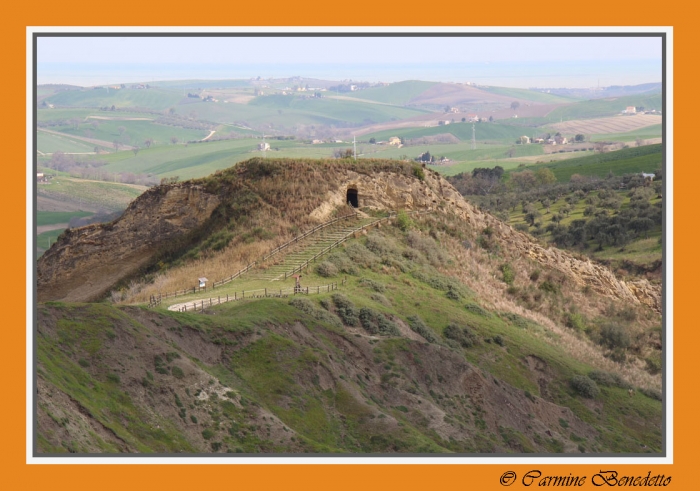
(427, 243)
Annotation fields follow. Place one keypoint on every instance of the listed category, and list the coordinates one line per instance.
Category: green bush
(584, 386)
(403, 221)
(652, 393)
(614, 336)
(207, 434)
(361, 256)
(382, 245)
(369, 283)
(345, 309)
(418, 172)
(327, 269)
(178, 373)
(549, 287)
(343, 263)
(576, 321)
(462, 335)
(608, 379)
(113, 377)
(193, 418)
(477, 309)
(376, 323)
(508, 273)
(303, 304)
(83, 363)
(417, 325)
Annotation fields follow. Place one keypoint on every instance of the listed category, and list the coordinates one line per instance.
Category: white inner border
(668, 280)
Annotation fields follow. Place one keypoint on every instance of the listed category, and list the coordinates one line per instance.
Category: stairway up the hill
(307, 249)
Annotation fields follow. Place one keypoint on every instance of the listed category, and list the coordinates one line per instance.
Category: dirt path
(46, 228)
(208, 136)
(82, 138)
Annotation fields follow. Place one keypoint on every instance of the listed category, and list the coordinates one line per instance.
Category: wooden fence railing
(155, 300)
(335, 244)
(201, 304)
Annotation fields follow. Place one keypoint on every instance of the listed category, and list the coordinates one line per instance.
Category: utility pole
(473, 136)
(354, 147)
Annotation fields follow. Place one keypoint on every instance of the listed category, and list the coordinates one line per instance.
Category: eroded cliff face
(85, 262)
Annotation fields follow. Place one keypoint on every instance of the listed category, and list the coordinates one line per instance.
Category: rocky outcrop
(85, 262)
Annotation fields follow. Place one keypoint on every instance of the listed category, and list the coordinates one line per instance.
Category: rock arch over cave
(352, 197)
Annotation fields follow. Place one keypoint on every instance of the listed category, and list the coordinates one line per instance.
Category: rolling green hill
(399, 93)
(154, 98)
(529, 95)
(604, 107)
(463, 131)
(648, 159)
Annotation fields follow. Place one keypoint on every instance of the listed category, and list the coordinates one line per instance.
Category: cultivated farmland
(615, 124)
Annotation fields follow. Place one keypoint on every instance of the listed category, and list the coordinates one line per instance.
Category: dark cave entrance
(352, 198)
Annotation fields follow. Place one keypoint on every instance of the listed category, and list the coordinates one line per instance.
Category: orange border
(358, 12)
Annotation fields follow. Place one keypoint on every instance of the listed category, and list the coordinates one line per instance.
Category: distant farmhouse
(630, 110)
(263, 146)
(394, 140)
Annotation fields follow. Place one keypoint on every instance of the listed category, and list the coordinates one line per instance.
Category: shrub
(207, 434)
(652, 393)
(584, 386)
(508, 273)
(535, 275)
(576, 321)
(381, 245)
(177, 372)
(403, 221)
(83, 363)
(343, 263)
(193, 418)
(462, 335)
(499, 340)
(417, 325)
(418, 172)
(376, 323)
(608, 379)
(549, 287)
(346, 309)
(614, 336)
(369, 283)
(360, 255)
(303, 304)
(327, 269)
(113, 377)
(477, 309)
(379, 298)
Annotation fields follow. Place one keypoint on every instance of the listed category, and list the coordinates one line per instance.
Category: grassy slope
(626, 161)
(158, 99)
(529, 95)
(48, 143)
(269, 366)
(104, 195)
(605, 107)
(51, 217)
(463, 131)
(399, 93)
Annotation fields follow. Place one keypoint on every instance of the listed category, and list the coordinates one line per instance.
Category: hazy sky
(629, 59)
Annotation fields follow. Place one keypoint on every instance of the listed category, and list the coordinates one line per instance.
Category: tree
(148, 142)
(174, 139)
(113, 108)
(579, 138)
(464, 120)
(116, 144)
(171, 111)
(447, 109)
(95, 124)
(545, 177)
(373, 141)
(514, 105)
(135, 150)
(490, 119)
(121, 130)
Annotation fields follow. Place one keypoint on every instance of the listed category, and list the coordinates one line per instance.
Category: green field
(53, 217)
(48, 143)
(399, 93)
(643, 133)
(463, 131)
(92, 194)
(136, 132)
(626, 161)
(530, 95)
(604, 107)
(155, 98)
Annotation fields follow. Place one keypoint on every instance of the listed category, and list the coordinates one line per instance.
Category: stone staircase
(307, 249)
